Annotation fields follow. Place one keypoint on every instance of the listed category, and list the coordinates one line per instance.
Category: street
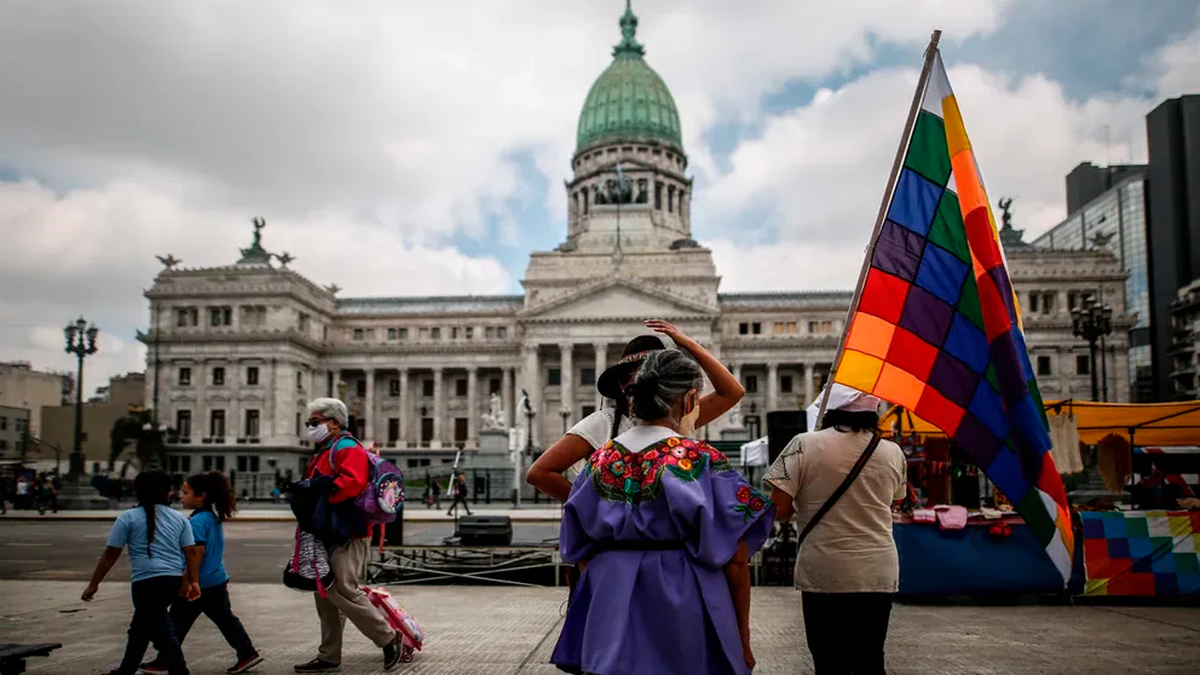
(254, 551)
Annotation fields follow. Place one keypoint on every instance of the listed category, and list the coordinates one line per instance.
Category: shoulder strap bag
(841, 490)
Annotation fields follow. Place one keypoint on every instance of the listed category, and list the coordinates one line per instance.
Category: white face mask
(318, 433)
(688, 424)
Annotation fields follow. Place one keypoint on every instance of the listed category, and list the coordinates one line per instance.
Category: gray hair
(329, 408)
(664, 378)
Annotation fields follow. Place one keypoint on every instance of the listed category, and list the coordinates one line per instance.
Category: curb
(528, 517)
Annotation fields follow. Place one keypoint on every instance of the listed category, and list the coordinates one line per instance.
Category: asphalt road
(254, 551)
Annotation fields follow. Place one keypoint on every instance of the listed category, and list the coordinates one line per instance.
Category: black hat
(613, 379)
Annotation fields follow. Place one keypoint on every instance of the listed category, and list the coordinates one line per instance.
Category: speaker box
(485, 530)
(782, 427)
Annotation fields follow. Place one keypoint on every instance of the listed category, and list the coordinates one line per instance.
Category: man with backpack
(342, 461)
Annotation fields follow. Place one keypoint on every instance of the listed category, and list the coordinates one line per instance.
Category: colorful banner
(1141, 553)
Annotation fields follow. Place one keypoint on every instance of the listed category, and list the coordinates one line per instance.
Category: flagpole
(897, 165)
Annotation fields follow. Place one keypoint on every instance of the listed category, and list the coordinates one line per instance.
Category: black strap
(837, 494)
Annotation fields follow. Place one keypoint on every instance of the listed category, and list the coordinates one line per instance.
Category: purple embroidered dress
(657, 517)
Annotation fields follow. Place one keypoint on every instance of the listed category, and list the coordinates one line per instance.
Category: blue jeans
(213, 603)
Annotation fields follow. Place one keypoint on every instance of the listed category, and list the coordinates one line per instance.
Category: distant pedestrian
(458, 490)
(212, 501)
(4, 495)
(164, 564)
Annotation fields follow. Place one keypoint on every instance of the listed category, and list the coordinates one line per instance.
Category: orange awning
(1143, 424)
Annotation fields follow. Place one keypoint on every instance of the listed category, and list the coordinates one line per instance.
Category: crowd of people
(29, 491)
(659, 527)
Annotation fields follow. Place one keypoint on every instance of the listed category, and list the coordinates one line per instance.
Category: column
(601, 363)
(439, 408)
(270, 407)
(472, 406)
(567, 390)
(234, 424)
(506, 397)
(200, 412)
(405, 408)
(530, 382)
(368, 432)
(314, 382)
(772, 386)
(736, 421)
(809, 390)
(1066, 370)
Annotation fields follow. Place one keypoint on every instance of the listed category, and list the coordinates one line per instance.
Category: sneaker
(392, 652)
(154, 666)
(316, 666)
(245, 664)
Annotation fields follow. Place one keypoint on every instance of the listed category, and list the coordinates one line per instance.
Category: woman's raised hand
(666, 328)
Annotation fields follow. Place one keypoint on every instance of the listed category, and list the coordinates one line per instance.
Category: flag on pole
(936, 327)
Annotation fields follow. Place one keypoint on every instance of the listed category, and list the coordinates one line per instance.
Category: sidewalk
(414, 513)
(486, 630)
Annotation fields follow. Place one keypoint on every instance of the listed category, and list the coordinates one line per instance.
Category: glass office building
(1116, 220)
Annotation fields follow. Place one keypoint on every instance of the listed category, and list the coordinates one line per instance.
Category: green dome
(629, 101)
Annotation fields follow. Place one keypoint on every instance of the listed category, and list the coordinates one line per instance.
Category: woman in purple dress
(663, 528)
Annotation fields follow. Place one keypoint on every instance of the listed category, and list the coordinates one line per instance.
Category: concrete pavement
(414, 513)
(503, 631)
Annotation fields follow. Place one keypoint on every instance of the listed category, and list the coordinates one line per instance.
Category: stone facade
(1185, 343)
(23, 387)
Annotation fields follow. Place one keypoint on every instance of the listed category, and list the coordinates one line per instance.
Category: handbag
(308, 569)
(841, 490)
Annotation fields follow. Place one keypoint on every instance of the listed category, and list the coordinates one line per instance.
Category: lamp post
(1091, 322)
(566, 416)
(81, 341)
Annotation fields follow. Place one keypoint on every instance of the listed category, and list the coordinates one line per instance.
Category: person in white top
(547, 472)
(847, 568)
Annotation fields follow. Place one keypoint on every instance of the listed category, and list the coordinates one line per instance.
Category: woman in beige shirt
(847, 567)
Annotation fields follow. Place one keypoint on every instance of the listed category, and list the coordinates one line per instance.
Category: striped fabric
(937, 328)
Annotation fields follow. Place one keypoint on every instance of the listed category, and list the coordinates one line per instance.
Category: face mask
(688, 424)
(318, 433)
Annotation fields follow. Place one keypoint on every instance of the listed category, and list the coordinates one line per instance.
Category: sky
(397, 147)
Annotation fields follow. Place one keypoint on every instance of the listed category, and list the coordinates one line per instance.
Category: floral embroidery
(621, 475)
(750, 502)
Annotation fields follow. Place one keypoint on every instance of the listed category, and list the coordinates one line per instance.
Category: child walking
(212, 500)
(164, 564)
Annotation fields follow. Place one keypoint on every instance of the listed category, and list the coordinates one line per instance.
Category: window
(751, 384)
(220, 316)
(359, 334)
(254, 315)
(426, 430)
(460, 430)
(247, 463)
(186, 316)
(435, 333)
(779, 328)
(1072, 300)
(1043, 365)
(427, 388)
(756, 328)
(790, 327)
(297, 424)
(587, 376)
(214, 462)
(460, 387)
(183, 423)
(470, 332)
(252, 422)
(185, 377)
(489, 333)
(1048, 303)
(785, 384)
(1083, 365)
(360, 388)
(1035, 301)
(393, 433)
(3, 444)
(588, 410)
(299, 380)
(391, 333)
(216, 424)
(743, 328)
(454, 333)
(553, 377)
(218, 376)
(494, 386)
(502, 333)
(394, 387)
(402, 333)
(305, 323)
(252, 375)
(3, 423)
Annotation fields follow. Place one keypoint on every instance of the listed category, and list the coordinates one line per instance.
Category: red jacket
(350, 469)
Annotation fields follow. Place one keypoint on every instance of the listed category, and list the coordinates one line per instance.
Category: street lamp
(81, 341)
(566, 416)
(1091, 322)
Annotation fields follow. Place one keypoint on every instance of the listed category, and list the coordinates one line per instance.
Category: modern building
(1088, 181)
(23, 387)
(14, 432)
(243, 347)
(1185, 343)
(99, 414)
(1115, 221)
(1173, 210)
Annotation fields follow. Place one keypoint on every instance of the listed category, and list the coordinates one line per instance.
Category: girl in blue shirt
(164, 564)
(213, 500)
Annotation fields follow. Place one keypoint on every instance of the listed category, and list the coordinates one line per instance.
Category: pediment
(617, 299)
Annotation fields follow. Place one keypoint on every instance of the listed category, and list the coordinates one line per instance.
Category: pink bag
(411, 634)
(952, 517)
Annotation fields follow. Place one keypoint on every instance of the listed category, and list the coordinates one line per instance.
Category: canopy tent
(754, 453)
(1143, 424)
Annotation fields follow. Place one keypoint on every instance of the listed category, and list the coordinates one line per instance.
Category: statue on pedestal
(493, 419)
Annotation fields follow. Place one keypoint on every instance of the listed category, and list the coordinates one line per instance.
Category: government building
(235, 352)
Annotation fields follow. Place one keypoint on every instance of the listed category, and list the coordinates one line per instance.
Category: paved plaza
(498, 631)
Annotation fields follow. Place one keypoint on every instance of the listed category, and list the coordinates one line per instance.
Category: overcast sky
(399, 147)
